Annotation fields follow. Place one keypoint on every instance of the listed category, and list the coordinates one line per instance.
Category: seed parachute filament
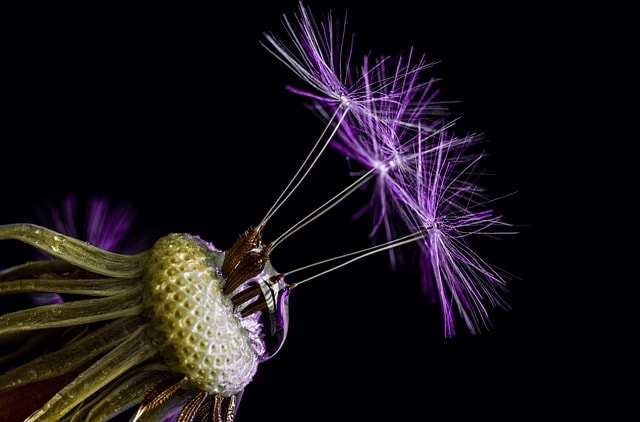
(178, 329)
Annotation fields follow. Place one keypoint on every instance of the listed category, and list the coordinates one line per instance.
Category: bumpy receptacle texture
(202, 337)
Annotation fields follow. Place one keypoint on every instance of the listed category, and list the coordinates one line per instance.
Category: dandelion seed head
(184, 325)
(202, 337)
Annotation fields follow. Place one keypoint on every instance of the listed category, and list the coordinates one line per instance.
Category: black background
(177, 109)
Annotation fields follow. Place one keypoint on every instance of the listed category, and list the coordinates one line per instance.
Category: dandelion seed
(179, 329)
(421, 173)
(446, 204)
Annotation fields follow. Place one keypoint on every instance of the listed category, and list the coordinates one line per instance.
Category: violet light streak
(424, 176)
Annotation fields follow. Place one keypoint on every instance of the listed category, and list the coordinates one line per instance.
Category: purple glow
(390, 123)
(108, 226)
(105, 225)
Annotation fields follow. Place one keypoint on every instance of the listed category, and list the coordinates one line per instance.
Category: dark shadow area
(179, 111)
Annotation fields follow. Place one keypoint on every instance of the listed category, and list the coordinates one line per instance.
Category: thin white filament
(305, 167)
(332, 202)
(358, 255)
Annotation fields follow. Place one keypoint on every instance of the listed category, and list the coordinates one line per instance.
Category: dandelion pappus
(182, 327)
